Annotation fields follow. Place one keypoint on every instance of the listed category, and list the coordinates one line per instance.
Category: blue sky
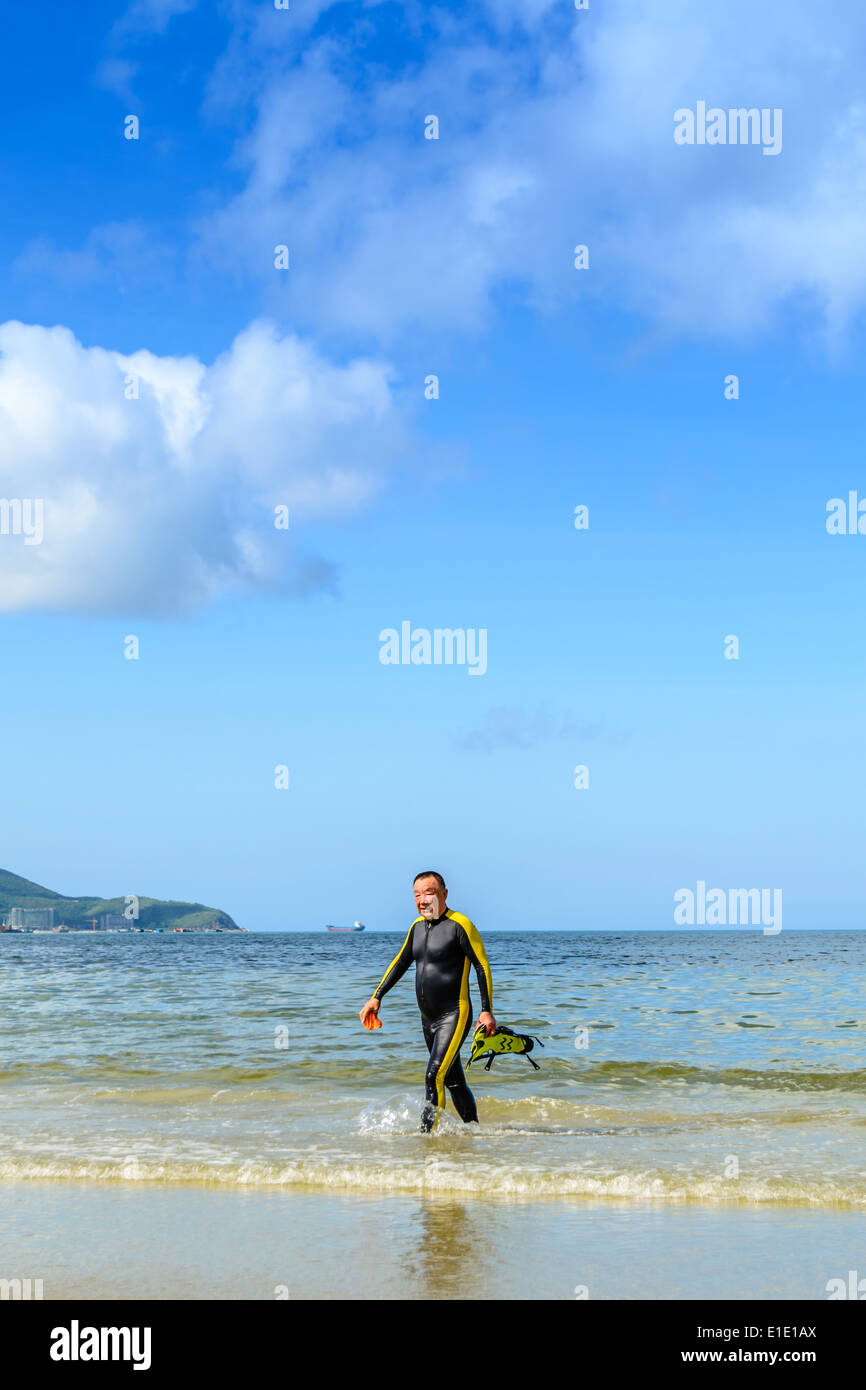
(557, 387)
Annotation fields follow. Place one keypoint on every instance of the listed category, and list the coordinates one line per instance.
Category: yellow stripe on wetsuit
(478, 947)
(454, 1045)
(398, 955)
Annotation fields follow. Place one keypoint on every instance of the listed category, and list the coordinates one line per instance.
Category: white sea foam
(401, 1114)
(449, 1173)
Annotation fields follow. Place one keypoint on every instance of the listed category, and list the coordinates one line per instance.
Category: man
(443, 944)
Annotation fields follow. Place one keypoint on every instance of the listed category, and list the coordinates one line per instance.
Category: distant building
(32, 918)
(114, 921)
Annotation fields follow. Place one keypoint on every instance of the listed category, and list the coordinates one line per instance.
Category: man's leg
(447, 1034)
(464, 1101)
(429, 1112)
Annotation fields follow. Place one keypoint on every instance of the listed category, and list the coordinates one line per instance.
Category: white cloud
(140, 21)
(116, 75)
(161, 504)
(113, 252)
(151, 16)
(557, 128)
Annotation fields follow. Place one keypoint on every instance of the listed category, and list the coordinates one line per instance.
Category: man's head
(430, 894)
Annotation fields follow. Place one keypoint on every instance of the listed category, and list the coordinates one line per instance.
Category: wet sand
(139, 1241)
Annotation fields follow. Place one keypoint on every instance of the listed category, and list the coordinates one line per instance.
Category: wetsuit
(442, 951)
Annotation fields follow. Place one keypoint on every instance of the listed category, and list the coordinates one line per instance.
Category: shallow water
(720, 1067)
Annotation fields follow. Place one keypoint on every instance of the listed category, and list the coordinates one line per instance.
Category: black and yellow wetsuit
(442, 951)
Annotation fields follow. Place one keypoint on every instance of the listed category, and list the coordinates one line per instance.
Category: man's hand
(487, 1022)
(369, 1013)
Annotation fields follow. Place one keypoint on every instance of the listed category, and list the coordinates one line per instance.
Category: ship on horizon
(356, 926)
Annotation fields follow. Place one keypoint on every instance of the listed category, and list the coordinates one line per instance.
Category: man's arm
(396, 970)
(399, 965)
(473, 947)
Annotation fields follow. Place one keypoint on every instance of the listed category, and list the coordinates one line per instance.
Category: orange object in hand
(371, 1022)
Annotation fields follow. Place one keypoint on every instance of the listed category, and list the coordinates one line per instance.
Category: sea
(708, 1066)
(718, 1071)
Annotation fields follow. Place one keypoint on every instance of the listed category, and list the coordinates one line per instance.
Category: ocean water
(720, 1068)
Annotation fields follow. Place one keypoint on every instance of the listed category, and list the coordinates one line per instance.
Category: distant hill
(80, 912)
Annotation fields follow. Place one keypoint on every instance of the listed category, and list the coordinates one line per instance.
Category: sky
(428, 386)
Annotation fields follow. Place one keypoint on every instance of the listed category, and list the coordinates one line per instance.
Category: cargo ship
(356, 926)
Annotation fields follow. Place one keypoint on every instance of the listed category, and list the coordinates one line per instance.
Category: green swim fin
(504, 1040)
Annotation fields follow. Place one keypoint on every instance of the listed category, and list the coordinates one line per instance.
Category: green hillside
(79, 912)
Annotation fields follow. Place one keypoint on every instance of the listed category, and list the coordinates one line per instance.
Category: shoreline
(125, 1180)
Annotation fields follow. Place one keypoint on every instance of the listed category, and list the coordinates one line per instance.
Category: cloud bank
(556, 129)
(156, 504)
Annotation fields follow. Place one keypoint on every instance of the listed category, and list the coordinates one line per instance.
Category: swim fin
(504, 1040)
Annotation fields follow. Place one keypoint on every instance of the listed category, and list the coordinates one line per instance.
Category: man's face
(430, 898)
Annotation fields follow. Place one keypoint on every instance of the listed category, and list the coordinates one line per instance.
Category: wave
(96, 1072)
(192, 1095)
(344, 1071)
(779, 1079)
(443, 1175)
(561, 1115)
